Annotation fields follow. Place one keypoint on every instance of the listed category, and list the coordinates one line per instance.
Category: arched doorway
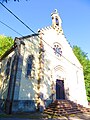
(60, 76)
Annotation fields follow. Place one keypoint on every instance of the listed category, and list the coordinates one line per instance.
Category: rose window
(57, 50)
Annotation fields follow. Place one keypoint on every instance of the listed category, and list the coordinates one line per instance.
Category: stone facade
(43, 68)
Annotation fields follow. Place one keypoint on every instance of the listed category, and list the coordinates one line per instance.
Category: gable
(52, 38)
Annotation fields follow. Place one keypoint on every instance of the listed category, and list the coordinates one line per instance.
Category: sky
(75, 15)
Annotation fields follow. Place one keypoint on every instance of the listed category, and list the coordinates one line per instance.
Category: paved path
(43, 119)
(76, 117)
(31, 119)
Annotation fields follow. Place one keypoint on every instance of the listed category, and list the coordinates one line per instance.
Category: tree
(5, 44)
(85, 62)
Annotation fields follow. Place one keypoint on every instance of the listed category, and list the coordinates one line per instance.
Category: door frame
(60, 91)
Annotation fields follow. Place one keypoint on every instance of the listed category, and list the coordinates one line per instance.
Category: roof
(7, 52)
(25, 37)
(12, 48)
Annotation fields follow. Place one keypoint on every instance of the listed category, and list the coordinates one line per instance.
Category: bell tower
(56, 20)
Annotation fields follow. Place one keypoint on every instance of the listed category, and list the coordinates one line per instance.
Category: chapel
(40, 68)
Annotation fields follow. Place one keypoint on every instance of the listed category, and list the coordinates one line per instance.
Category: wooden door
(60, 94)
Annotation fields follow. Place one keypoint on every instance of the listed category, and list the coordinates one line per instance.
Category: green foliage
(85, 62)
(5, 44)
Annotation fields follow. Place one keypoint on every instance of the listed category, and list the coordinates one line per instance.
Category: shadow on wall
(27, 82)
(24, 106)
(67, 93)
(47, 78)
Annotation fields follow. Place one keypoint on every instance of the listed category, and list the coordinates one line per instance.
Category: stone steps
(63, 107)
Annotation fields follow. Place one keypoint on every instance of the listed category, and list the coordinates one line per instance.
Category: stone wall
(24, 106)
(64, 67)
(28, 84)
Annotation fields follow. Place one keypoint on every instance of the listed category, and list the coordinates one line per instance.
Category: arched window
(8, 67)
(29, 65)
